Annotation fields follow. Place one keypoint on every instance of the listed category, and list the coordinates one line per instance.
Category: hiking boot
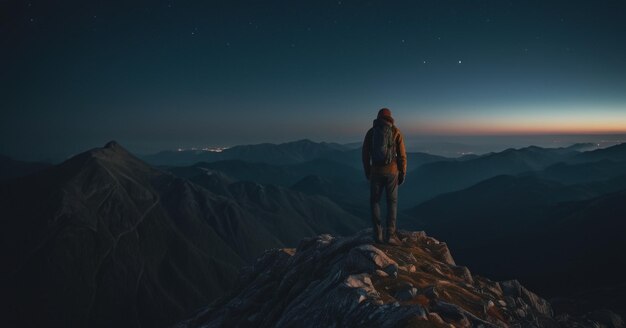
(394, 240)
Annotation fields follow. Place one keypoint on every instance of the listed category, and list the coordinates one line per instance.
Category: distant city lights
(209, 149)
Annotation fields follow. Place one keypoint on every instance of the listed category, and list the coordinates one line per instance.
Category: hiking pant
(388, 183)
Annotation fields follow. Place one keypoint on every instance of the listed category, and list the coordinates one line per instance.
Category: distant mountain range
(428, 175)
(104, 236)
(279, 154)
(439, 177)
(285, 153)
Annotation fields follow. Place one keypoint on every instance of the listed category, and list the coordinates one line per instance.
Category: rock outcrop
(349, 282)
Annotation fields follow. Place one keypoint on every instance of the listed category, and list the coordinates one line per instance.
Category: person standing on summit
(384, 161)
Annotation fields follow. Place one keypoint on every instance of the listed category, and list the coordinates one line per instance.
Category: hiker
(384, 161)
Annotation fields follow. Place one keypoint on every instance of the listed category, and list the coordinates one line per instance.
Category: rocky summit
(350, 282)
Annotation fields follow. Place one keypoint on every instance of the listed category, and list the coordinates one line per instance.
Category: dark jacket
(397, 166)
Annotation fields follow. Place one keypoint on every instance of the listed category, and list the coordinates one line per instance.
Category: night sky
(165, 74)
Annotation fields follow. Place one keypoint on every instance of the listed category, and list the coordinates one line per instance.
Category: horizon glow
(526, 121)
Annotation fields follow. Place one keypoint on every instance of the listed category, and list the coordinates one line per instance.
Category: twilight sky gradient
(166, 74)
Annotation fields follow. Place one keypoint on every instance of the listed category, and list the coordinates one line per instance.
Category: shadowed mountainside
(350, 282)
(498, 224)
(10, 168)
(105, 240)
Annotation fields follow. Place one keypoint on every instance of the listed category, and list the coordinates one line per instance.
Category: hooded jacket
(397, 166)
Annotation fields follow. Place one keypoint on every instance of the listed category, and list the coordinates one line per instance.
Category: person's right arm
(401, 158)
(365, 153)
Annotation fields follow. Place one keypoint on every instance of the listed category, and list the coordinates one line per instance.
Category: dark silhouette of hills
(435, 178)
(614, 153)
(10, 168)
(280, 154)
(561, 240)
(349, 282)
(575, 173)
(583, 146)
(103, 239)
(339, 176)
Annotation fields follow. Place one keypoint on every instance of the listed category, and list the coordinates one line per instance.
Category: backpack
(383, 146)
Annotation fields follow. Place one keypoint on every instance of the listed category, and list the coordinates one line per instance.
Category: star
(459, 61)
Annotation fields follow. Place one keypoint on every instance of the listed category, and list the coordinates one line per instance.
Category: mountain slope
(338, 182)
(93, 242)
(501, 227)
(350, 282)
(103, 239)
(287, 213)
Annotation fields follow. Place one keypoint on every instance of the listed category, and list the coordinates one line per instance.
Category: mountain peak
(112, 148)
(112, 145)
(329, 279)
(112, 155)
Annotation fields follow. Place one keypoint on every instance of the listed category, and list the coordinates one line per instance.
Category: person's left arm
(365, 154)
